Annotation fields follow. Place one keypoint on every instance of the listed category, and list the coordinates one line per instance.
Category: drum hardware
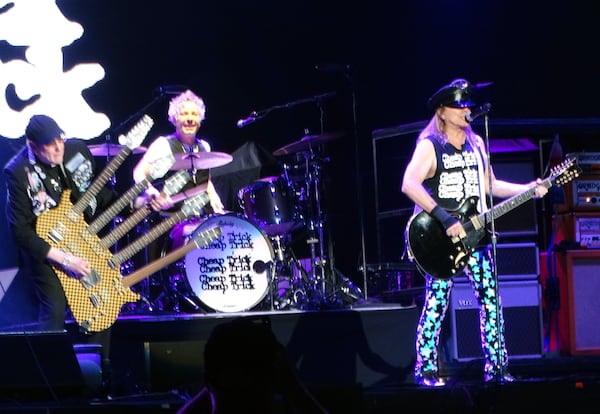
(175, 294)
(308, 158)
(344, 292)
(287, 289)
(143, 287)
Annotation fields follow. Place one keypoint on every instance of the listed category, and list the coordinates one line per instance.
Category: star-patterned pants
(491, 321)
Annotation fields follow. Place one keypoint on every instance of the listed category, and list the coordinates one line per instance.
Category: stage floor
(357, 359)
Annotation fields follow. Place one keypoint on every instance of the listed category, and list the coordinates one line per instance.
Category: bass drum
(231, 274)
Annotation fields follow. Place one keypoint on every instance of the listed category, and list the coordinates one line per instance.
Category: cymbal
(306, 142)
(111, 150)
(200, 160)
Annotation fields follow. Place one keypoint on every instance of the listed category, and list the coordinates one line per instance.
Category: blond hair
(187, 96)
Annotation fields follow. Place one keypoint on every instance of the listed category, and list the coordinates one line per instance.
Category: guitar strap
(481, 176)
(65, 177)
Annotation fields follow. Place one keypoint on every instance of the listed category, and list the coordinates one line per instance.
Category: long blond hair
(436, 128)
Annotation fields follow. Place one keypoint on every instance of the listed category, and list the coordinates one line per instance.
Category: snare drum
(232, 273)
(270, 203)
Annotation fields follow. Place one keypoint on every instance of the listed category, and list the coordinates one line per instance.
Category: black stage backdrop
(377, 62)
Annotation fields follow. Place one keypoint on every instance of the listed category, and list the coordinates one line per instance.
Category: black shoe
(495, 377)
(429, 379)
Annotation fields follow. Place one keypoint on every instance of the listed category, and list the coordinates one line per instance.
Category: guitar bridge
(85, 326)
(90, 280)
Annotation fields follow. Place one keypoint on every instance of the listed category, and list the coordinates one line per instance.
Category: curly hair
(186, 96)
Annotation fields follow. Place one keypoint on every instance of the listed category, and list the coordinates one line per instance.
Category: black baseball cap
(42, 130)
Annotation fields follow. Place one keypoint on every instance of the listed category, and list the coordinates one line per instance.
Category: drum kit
(291, 203)
(253, 264)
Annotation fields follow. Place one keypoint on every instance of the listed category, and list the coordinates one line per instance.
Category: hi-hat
(306, 142)
(111, 150)
(200, 160)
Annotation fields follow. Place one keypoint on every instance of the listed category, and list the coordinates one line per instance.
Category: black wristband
(443, 217)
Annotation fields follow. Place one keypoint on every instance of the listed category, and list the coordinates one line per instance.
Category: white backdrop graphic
(39, 83)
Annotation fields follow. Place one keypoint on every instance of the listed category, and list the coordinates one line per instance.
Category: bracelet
(66, 262)
(443, 217)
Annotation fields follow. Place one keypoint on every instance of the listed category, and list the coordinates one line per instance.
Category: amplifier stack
(578, 218)
(572, 270)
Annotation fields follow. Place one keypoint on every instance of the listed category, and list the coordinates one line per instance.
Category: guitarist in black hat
(36, 178)
(449, 167)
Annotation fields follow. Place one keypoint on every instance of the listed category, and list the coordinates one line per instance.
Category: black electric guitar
(443, 257)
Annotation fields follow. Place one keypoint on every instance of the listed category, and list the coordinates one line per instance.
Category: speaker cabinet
(39, 365)
(516, 261)
(583, 307)
(522, 320)
(522, 221)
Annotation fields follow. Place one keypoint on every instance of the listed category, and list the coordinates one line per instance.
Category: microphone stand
(493, 240)
(136, 115)
(313, 186)
(359, 196)
(316, 98)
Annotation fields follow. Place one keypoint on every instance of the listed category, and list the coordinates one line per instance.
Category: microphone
(245, 121)
(170, 89)
(478, 111)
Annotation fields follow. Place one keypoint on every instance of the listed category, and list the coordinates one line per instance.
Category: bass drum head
(231, 274)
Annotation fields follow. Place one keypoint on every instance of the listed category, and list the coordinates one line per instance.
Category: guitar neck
(202, 239)
(156, 265)
(189, 193)
(123, 201)
(511, 203)
(146, 239)
(123, 228)
(100, 181)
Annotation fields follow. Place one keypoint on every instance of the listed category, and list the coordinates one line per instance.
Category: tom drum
(270, 203)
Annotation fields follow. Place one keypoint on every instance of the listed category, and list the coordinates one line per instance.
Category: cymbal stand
(315, 220)
(143, 287)
(274, 269)
(297, 293)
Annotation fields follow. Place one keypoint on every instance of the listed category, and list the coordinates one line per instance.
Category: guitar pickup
(95, 301)
(56, 234)
(90, 280)
(112, 264)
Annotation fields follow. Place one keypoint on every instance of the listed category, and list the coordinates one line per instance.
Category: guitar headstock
(193, 205)
(202, 238)
(161, 166)
(175, 183)
(566, 171)
(137, 133)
